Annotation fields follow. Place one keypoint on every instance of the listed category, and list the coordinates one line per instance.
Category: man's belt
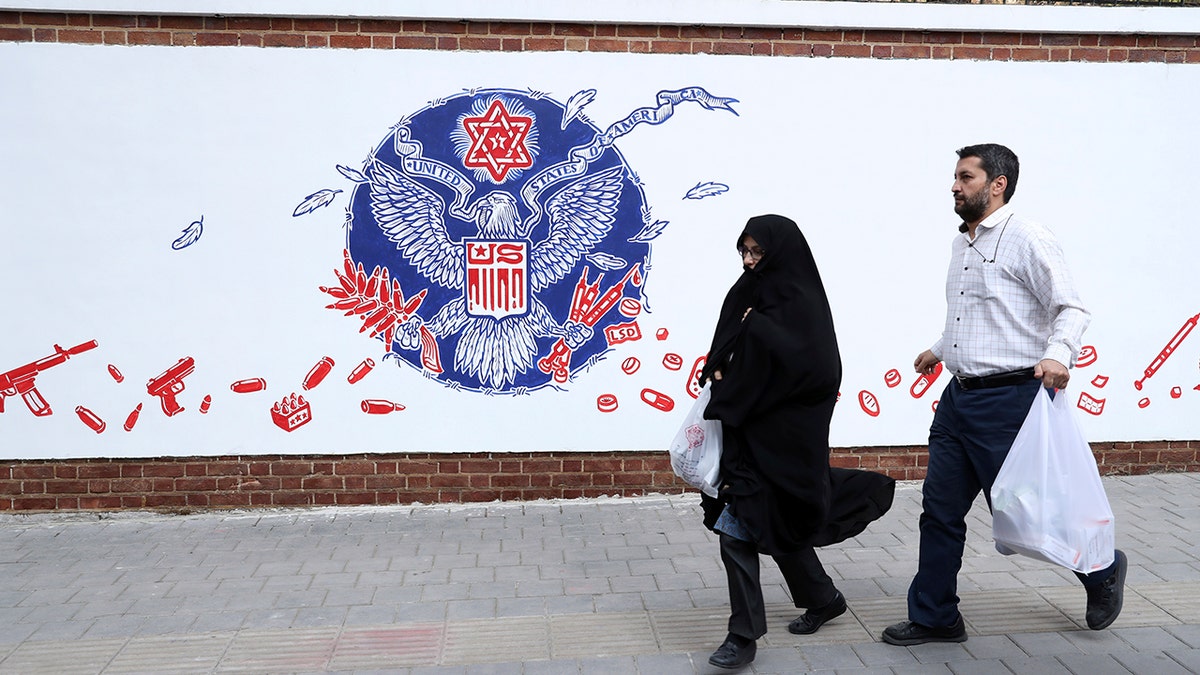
(998, 380)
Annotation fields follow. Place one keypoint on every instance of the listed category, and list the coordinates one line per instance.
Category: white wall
(110, 152)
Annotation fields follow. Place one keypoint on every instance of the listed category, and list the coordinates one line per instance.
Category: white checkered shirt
(1010, 300)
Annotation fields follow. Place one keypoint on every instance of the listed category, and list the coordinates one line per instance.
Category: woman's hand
(717, 375)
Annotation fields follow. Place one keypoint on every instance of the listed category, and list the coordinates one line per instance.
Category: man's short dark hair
(996, 161)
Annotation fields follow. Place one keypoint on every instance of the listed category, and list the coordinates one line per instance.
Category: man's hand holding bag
(1048, 501)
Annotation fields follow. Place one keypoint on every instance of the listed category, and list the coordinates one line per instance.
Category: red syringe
(1172, 345)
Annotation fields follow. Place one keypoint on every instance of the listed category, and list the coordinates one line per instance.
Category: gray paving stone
(1158, 664)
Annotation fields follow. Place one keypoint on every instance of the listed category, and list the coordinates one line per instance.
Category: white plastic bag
(1048, 502)
(696, 449)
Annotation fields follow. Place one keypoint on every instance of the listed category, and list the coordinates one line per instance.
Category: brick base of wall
(188, 483)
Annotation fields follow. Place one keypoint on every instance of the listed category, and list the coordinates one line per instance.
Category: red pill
(631, 365)
(606, 403)
(672, 361)
(658, 400)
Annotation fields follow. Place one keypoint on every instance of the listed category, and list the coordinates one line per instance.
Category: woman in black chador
(775, 370)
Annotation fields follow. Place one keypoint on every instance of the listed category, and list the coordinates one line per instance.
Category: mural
(498, 268)
(483, 227)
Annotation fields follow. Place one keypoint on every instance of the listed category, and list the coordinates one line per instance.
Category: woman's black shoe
(808, 622)
(735, 652)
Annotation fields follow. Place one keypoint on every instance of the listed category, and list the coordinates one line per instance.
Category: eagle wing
(581, 215)
(411, 216)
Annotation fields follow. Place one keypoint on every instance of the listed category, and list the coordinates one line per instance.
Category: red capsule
(658, 400)
(89, 418)
(317, 373)
(249, 385)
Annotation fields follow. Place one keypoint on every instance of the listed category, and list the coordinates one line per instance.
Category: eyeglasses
(755, 253)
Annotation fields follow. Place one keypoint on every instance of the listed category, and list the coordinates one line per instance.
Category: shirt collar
(998, 216)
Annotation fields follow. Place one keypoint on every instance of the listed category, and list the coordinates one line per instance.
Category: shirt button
(966, 268)
(957, 319)
(960, 292)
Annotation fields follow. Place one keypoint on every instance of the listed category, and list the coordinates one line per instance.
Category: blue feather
(315, 201)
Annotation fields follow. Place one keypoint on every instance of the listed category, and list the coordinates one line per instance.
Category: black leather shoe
(812, 619)
(912, 633)
(735, 652)
(1104, 601)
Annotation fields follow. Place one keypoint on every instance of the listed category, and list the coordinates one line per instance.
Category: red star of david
(498, 141)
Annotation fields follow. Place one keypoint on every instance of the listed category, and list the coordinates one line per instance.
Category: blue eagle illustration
(496, 351)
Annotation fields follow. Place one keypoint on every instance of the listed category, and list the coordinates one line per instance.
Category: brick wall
(265, 480)
(187, 31)
(182, 484)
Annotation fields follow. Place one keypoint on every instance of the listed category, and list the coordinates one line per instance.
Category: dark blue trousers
(971, 434)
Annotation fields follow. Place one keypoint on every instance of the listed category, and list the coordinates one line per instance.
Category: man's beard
(973, 207)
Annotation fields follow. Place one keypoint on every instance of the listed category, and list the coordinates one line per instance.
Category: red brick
(852, 50)
(323, 483)
(62, 487)
(149, 38)
(32, 471)
(309, 25)
(45, 35)
(608, 45)
(43, 19)
(316, 41)
(354, 468)
(355, 498)
(383, 482)
(637, 31)
(606, 30)
(943, 38)
(34, 503)
(1065, 40)
(1118, 41)
(16, 34)
(383, 42)
(823, 35)
(450, 480)
(792, 49)
(547, 44)
(189, 23)
(446, 27)
(1031, 55)
(574, 30)
(114, 20)
(198, 484)
(1002, 38)
(250, 39)
(163, 470)
(291, 468)
(350, 41)
(911, 52)
(229, 499)
(139, 485)
(732, 48)
(100, 503)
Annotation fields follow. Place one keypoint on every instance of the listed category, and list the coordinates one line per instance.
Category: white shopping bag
(696, 449)
(1048, 502)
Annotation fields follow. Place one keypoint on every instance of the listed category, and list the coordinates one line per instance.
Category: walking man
(1014, 322)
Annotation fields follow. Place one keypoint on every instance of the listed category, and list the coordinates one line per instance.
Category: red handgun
(168, 385)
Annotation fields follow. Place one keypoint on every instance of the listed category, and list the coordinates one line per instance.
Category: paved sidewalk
(587, 586)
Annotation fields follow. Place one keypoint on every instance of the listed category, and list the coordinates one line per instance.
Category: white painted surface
(109, 152)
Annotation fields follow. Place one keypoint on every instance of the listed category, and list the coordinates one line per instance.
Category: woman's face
(751, 252)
